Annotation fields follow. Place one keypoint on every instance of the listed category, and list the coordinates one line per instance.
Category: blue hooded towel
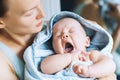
(42, 47)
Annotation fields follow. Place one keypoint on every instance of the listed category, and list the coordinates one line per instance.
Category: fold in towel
(42, 47)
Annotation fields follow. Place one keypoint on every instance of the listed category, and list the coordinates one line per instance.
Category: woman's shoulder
(3, 58)
(6, 70)
(12, 62)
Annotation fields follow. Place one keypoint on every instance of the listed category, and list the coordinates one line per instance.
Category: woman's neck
(19, 39)
(17, 43)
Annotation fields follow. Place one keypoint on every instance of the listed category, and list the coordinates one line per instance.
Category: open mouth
(68, 47)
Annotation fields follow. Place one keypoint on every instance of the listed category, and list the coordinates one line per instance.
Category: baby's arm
(55, 63)
(58, 62)
(102, 66)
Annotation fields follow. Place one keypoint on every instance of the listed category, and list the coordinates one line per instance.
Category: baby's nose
(64, 36)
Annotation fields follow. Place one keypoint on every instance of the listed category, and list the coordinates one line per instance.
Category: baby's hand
(84, 56)
(81, 70)
(76, 55)
(80, 56)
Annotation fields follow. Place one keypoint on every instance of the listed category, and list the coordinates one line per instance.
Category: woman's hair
(3, 7)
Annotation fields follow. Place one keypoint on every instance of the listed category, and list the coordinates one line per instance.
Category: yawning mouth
(68, 47)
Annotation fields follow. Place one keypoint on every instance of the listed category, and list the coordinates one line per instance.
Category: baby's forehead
(67, 22)
(70, 22)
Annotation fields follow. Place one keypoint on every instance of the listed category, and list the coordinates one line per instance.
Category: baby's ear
(87, 44)
(2, 24)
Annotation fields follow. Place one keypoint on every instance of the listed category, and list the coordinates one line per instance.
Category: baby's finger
(77, 69)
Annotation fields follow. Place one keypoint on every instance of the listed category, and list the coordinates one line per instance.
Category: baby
(70, 44)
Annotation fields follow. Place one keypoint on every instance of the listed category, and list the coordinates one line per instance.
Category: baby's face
(69, 36)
